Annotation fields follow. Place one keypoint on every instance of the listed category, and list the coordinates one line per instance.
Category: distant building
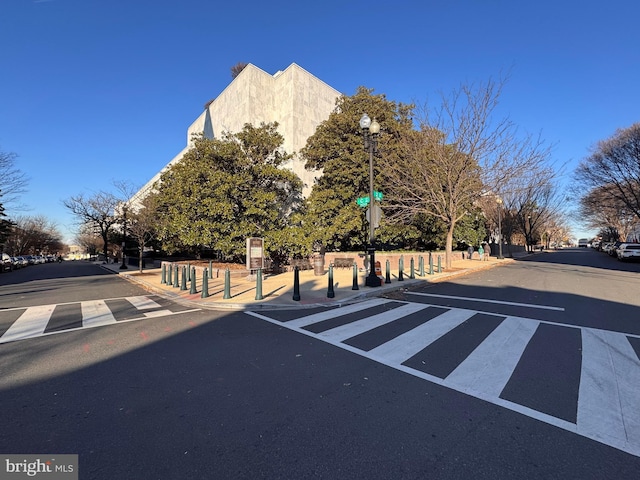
(294, 98)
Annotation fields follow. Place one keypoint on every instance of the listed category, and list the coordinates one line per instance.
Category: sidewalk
(278, 290)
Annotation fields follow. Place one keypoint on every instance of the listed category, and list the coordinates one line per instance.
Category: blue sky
(96, 91)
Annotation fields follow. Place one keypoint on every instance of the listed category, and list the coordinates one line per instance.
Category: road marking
(143, 303)
(488, 368)
(405, 346)
(485, 300)
(96, 313)
(326, 315)
(30, 324)
(352, 329)
(607, 400)
(608, 410)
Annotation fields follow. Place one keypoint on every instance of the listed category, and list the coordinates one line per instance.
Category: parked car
(6, 265)
(628, 251)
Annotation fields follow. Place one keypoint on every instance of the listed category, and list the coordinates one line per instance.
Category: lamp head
(375, 127)
(365, 121)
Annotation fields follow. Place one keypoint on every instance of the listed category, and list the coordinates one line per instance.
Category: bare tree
(601, 211)
(459, 153)
(237, 68)
(13, 182)
(142, 224)
(33, 235)
(613, 169)
(97, 212)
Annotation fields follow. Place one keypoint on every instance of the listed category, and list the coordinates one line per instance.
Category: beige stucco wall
(294, 98)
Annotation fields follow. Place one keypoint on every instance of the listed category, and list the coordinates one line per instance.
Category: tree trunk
(448, 249)
(140, 259)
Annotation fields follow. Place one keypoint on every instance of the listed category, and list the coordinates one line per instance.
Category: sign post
(255, 253)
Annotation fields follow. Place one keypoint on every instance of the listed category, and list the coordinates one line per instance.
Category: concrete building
(294, 98)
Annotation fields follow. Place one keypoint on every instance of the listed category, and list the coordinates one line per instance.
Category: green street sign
(377, 195)
(363, 201)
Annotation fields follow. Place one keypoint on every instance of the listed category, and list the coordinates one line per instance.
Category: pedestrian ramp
(583, 380)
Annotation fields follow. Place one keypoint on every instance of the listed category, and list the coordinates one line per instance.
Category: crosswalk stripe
(30, 324)
(352, 329)
(143, 303)
(607, 410)
(408, 344)
(96, 312)
(488, 368)
(607, 400)
(336, 312)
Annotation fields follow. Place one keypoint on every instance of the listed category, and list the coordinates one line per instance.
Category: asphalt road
(188, 394)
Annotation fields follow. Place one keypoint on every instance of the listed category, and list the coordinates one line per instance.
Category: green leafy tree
(225, 190)
(336, 149)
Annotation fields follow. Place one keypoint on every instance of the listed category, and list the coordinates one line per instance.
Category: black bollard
(355, 278)
(259, 284)
(193, 290)
(330, 292)
(296, 283)
(227, 284)
(387, 277)
(205, 284)
(400, 269)
(412, 274)
(183, 282)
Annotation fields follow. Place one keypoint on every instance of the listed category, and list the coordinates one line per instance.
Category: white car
(628, 251)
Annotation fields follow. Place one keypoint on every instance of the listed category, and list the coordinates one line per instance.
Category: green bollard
(227, 284)
(400, 269)
(210, 269)
(205, 284)
(169, 272)
(175, 277)
(430, 264)
(193, 290)
(296, 283)
(421, 265)
(163, 278)
(330, 292)
(387, 277)
(412, 274)
(355, 278)
(439, 264)
(183, 283)
(259, 285)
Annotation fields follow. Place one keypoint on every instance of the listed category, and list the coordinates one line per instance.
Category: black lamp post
(124, 236)
(499, 201)
(370, 131)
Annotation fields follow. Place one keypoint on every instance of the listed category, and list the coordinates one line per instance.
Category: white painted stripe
(485, 300)
(360, 326)
(336, 312)
(408, 344)
(157, 313)
(96, 313)
(609, 388)
(30, 324)
(143, 303)
(625, 446)
(488, 368)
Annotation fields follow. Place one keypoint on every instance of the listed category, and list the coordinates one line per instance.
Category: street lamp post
(499, 201)
(370, 132)
(124, 236)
